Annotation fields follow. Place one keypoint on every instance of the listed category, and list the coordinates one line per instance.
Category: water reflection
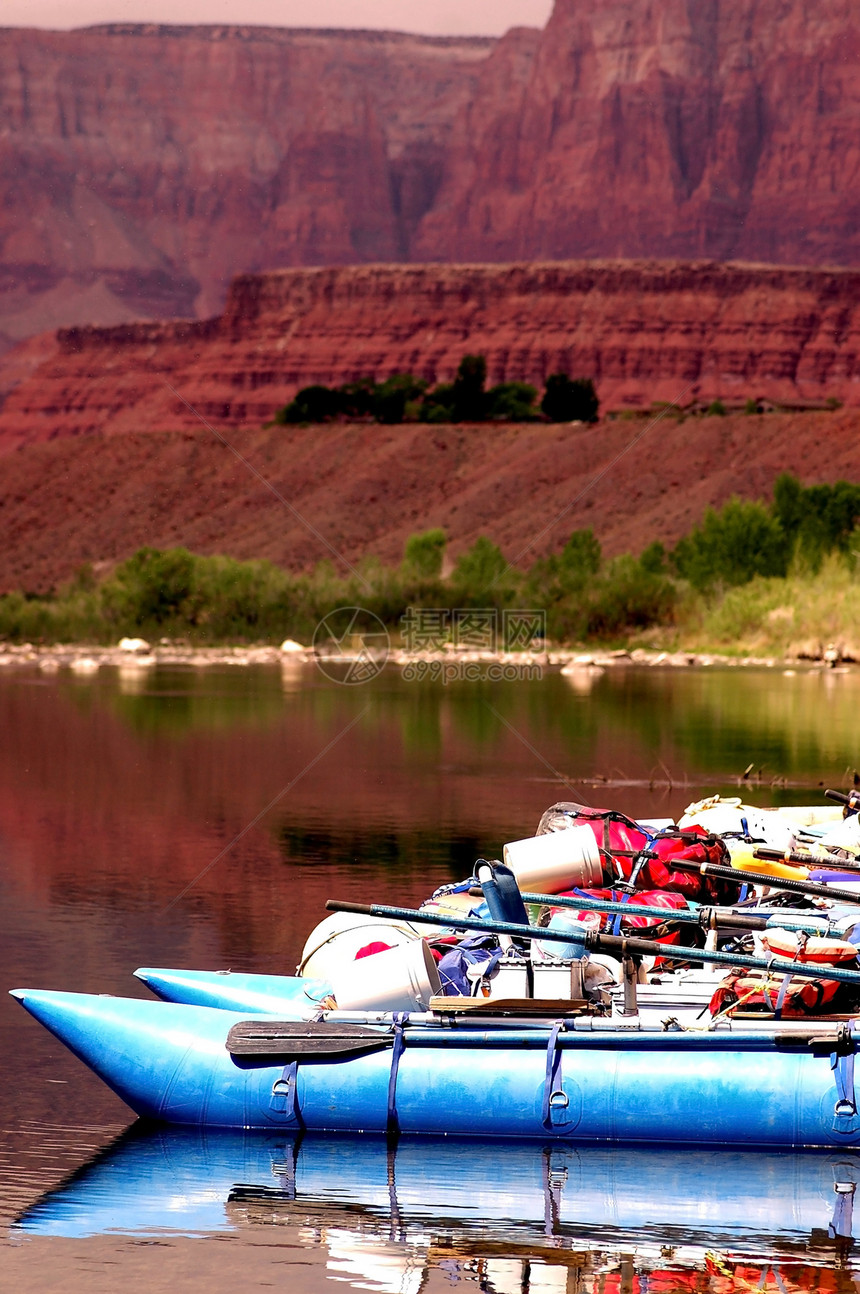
(702, 724)
(518, 1216)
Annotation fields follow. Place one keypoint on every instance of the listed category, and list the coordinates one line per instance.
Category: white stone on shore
(134, 645)
(290, 645)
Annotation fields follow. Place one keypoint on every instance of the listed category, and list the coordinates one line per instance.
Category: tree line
(405, 398)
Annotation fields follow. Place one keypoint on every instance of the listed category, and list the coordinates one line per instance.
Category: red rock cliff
(678, 128)
(643, 331)
(141, 167)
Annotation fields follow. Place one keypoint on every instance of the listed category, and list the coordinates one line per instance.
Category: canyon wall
(645, 332)
(678, 128)
(141, 167)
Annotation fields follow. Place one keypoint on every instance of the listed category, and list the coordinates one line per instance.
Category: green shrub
(311, 404)
(627, 598)
(715, 409)
(356, 398)
(470, 398)
(816, 519)
(438, 404)
(731, 546)
(481, 576)
(569, 400)
(512, 402)
(424, 554)
(391, 397)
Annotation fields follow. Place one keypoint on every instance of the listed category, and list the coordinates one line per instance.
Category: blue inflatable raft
(576, 1079)
(288, 996)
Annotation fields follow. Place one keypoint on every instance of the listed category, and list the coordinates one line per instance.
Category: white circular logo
(351, 645)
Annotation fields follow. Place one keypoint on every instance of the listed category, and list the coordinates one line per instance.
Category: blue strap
(285, 1095)
(616, 924)
(392, 1126)
(843, 1068)
(845, 1111)
(553, 1073)
(780, 997)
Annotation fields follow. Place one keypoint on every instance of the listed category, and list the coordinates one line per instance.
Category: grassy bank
(800, 615)
(177, 595)
(777, 579)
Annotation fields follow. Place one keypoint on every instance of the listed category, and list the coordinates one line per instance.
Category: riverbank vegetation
(749, 576)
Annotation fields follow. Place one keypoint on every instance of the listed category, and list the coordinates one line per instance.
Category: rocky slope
(644, 331)
(364, 489)
(142, 166)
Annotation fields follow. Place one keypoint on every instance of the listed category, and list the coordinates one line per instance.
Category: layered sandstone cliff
(142, 166)
(644, 332)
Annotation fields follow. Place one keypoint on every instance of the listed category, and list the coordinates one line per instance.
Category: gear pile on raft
(606, 980)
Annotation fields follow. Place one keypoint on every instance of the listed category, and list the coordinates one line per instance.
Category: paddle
(621, 945)
(279, 1038)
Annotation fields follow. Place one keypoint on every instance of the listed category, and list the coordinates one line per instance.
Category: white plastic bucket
(555, 862)
(332, 944)
(401, 979)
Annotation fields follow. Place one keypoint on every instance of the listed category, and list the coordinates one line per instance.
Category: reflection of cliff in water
(514, 1216)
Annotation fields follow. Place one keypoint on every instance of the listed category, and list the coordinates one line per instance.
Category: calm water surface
(183, 818)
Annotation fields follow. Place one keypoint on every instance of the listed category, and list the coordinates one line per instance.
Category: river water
(201, 818)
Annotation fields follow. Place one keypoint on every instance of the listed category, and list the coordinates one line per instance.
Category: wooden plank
(523, 1006)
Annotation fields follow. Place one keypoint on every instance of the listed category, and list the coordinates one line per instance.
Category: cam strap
(285, 1095)
(392, 1125)
(553, 1091)
(842, 1065)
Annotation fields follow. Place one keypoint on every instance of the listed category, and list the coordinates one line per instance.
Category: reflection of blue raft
(582, 1082)
(193, 1181)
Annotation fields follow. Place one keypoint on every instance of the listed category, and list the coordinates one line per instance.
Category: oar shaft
(702, 918)
(620, 945)
(622, 1039)
(615, 944)
(810, 861)
(852, 800)
(455, 922)
(760, 878)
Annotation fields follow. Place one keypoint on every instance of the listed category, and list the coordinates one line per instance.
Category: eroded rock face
(680, 128)
(142, 167)
(644, 332)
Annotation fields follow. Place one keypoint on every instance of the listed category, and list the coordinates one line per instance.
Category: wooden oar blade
(303, 1040)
